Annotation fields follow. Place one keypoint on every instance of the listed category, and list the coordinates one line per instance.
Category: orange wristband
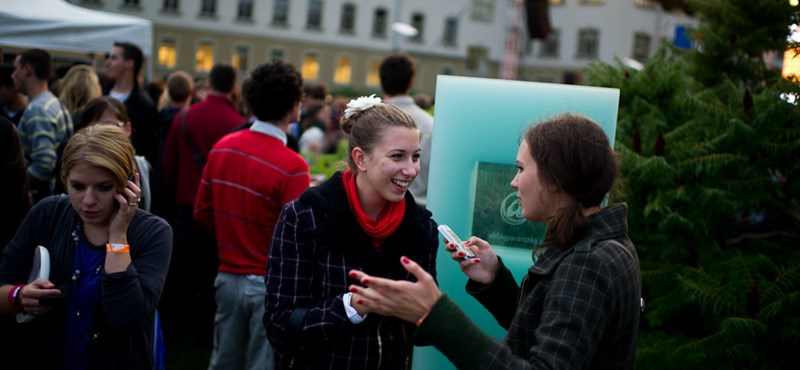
(117, 248)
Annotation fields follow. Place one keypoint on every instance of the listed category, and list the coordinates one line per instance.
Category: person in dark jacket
(365, 219)
(108, 261)
(579, 305)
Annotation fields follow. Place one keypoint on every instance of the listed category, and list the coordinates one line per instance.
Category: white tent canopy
(58, 25)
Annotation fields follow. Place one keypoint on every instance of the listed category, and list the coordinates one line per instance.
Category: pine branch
(707, 292)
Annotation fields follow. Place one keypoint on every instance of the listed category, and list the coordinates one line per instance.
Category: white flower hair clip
(361, 104)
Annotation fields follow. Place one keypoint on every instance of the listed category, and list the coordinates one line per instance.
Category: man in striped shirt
(44, 123)
(250, 175)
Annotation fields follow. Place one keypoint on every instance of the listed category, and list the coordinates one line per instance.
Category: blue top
(83, 301)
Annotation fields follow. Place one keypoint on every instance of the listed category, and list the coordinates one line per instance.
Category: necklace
(79, 234)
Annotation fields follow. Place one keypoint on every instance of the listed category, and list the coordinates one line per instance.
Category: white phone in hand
(451, 237)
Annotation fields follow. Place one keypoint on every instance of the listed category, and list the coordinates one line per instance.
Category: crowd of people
(182, 209)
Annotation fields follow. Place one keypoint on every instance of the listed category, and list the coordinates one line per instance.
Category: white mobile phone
(451, 237)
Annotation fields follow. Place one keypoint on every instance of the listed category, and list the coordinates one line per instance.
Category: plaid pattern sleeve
(289, 279)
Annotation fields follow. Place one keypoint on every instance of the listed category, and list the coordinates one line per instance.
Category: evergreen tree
(711, 173)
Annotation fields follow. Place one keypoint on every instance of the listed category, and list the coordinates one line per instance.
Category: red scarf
(388, 220)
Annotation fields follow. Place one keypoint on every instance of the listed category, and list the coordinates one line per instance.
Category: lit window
(310, 68)
(241, 54)
(645, 3)
(204, 57)
(314, 19)
(379, 23)
(588, 38)
(450, 31)
(641, 46)
(791, 64)
(167, 53)
(593, 2)
(550, 45)
(280, 12)
(557, 2)
(373, 73)
(418, 22)
(348, 22)
(245, 9)
(343, 71)
(483, 10)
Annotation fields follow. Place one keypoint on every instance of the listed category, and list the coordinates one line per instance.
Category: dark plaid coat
(575, 309)
(317, 241)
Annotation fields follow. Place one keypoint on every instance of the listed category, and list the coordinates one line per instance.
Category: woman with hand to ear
(108, 257)
(579, 304)
(363, 219)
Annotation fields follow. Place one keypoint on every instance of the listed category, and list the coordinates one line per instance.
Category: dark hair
(365, 128)
(573, 153)
(95, 108)
(179, 86)
(397, 72)
(309, 119)
(131, 51)
(273, 89)
(40, 61)
(5, 75)
(222, 78)
(316, 91)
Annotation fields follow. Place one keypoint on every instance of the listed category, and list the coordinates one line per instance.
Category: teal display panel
(477, 128)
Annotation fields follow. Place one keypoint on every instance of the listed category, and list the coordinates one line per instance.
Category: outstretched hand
(409, 301)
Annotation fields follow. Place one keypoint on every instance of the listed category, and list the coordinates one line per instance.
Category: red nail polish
(352, 274)
(462, 254)
(354, 290)
(365, 281)
(477, 260)
(360, 301)
(406, 260)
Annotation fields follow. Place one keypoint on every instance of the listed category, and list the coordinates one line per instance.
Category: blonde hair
(79, 86)
(102, 146)
(365, 128)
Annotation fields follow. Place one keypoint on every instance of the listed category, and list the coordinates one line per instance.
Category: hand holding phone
(451, 237)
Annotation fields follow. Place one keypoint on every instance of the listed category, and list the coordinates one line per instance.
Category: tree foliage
(711, 173)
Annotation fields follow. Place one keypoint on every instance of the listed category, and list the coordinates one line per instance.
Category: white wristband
(352, 314)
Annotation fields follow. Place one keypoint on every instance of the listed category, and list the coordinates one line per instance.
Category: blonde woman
(108, 261)
(78, 87)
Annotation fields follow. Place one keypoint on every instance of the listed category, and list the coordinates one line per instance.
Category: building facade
(341, 42)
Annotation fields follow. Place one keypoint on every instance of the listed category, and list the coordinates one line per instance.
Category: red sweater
(206, 122)
(249, 177)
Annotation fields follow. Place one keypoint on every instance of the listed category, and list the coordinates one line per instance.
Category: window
(641, 46)
(645, 3)
(167, 52)
(587, 42)
(277, 53)
(280, 13)
(550, 45)
(92, 2)
(593, 2)
(170, 6)
(446, 70)
(310, 67)
(348, 21)
(477, 60)
(204, 57)
(483, 10)
(241, 57)
(209, 8)
(374, 73)
(379, 23)
(556, 2)
(130, 3)
(418, 22)
(450, 31)
(343, 71)
(314, 19)
(245, 9)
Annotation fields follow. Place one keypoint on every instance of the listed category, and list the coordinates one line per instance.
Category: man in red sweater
(250, 176)
(194, 258)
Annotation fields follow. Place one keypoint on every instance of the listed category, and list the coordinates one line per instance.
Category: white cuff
(352, 314)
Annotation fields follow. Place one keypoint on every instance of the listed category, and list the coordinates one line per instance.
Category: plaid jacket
(317, 241)
(576, 309)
